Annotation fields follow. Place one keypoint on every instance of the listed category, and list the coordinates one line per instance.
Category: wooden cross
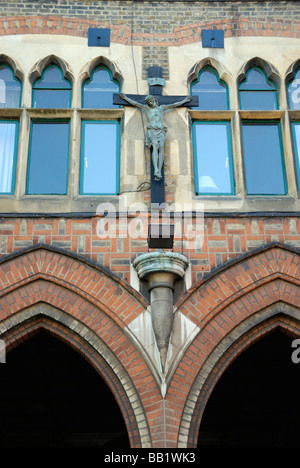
(156, 83)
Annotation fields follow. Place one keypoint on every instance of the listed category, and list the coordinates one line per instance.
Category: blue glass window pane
(263, 159)
(52, 99)
(99, 158)
(258, 100)
(296, 141)
(211, 93)
(8, 150)
(98, 92)
(213, 161)
(52, 90)
(293, 89)
(10, 88)
(48, 159)
(52, 78)
(256, 93)
(256, 80)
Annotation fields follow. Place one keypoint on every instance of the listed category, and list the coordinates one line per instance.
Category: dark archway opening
(256, 401)
(52, 397)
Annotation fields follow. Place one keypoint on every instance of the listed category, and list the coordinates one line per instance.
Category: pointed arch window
(48, 157)
(98, 90)
(100, 136)
(211, 91)
(212, 147)
(293, 92)
(263, 158)
(256, 92)
(10, 97)
(52, 90)
(10, 88)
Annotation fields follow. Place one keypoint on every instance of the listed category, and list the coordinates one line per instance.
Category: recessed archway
(255, 403)
(55, 399)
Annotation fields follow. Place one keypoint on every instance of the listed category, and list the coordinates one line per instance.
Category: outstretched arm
(131, 101)
(177, 104)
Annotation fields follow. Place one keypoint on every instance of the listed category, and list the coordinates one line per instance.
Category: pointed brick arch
(42, 316)
(238, 301)
(278, 316)
(87, 305)
(43, 267)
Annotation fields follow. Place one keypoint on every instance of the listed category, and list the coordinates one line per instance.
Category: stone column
(161, 269)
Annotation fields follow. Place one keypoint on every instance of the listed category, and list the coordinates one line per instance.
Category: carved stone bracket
(161, 269)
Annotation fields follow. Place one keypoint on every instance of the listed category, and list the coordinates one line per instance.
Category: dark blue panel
(99, 37)
(212, 38)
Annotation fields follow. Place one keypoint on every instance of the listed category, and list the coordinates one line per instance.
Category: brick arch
(42, 316)
(237, 297)
(87, 296)
(278, 316)
(74, 274)
(238, 277)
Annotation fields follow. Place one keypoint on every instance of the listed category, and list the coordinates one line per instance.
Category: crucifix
(155, 105)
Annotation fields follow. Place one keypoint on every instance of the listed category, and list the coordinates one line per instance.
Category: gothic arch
(209, 62)
(96, 62)
(270, 71)
(87, 305)
(38, 68)
(4, 59)
(278, 316)
(293, 68)
(42, 316)
(237, 302)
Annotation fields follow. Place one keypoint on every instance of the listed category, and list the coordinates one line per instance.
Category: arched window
(98, 90)
(52, 90)
(256, 92)
(212, 92)
(10, 97)
(262, 141)
(48, 160)
(10, 88)
(100, 137)
(213, 165)
(293, 93)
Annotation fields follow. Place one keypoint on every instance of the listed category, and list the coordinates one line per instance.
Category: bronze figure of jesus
(156, 129)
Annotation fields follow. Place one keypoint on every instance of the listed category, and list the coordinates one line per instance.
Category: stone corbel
(161, 269)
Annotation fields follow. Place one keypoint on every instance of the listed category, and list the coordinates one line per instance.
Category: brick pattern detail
(223, 240)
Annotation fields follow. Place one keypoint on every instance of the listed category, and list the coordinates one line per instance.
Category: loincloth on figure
(155, 135)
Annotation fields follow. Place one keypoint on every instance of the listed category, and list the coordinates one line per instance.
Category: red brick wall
(239, 299)
(223, 240)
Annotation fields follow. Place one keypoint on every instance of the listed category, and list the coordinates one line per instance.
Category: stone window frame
(75, 114)
(283, 115)
(111, 115)
(293, 118)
